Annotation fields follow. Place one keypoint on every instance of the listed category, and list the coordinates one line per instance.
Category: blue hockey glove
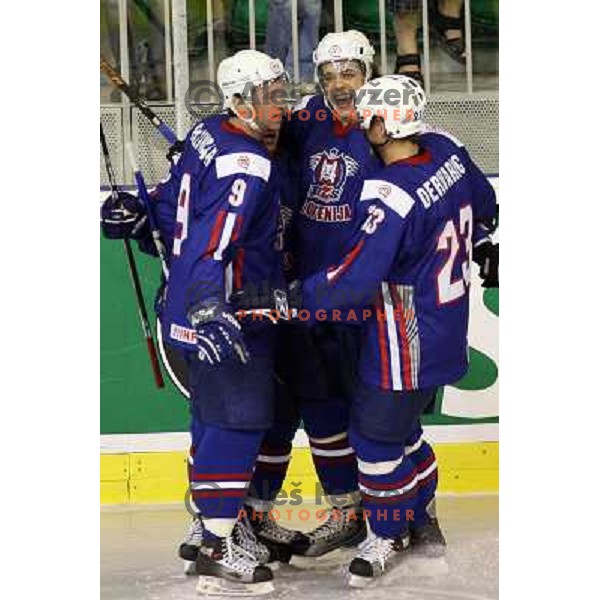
(125, 217)
(219, 335)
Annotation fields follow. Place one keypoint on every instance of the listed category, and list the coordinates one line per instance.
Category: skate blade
(335, 558)
(427, 566)
(189, 567)
(216, 586)
(356, 581)
(274, 566)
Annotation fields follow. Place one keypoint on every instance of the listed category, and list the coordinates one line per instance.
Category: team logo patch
(243, 162)
(385, 191)
(330, 172)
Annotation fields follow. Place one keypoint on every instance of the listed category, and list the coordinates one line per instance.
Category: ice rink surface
(139, 558)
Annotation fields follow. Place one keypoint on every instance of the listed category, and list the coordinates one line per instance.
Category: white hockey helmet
(246, 69)
(398, 99)
(345, 45)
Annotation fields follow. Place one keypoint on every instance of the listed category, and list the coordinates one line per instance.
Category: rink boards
(160, 476)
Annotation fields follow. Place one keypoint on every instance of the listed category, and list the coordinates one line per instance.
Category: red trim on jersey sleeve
(238, 267)
(422, 158)
(383, 345)
(406, 367)
(215, 234)
(348, 260)
(238, 227)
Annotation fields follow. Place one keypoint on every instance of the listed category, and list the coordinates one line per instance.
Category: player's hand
(487, 256)
(175, 151)
(269, 302)
(125, 217)
(219, 336)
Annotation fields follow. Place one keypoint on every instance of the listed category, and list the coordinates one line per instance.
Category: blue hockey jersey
(218, 211)
(410, 259)
(331, 161)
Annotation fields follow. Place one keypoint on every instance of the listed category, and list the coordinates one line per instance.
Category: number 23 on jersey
(455, 240)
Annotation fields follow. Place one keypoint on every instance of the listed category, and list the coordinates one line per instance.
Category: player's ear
(241, 108)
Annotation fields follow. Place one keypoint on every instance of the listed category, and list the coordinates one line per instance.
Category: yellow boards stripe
(161, 477)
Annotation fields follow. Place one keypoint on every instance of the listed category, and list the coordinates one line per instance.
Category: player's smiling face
(270, 105)
(340, 80)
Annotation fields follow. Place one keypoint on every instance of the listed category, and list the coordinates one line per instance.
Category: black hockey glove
(219, 335)
(487, 255)
(265, 300)
(125, 217)
(175, 151)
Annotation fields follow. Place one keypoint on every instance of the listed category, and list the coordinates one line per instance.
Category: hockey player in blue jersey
(331, 156)
(218, 211)
(409, 266)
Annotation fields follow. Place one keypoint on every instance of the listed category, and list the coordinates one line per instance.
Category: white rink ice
(139, 559)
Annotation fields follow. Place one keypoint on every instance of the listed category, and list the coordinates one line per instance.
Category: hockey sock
(223, 465)
(271, 468)
(388, 485)
(196, 431)
(422, 456)
(273, 461)
(326, 423)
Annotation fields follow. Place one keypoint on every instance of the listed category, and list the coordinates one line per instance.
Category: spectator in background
(447, 29)
(279, 34)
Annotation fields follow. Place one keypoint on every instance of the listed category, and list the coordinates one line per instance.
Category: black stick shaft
(133, 272)
(122, 85)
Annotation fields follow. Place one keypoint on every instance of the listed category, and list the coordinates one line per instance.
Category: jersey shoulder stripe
(391, 195)
(243, 163)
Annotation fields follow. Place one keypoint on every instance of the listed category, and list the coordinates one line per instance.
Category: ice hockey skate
(344, 528)
(377, 557)
(226, 569)
(245, 535)
(428, 540)
(188, 549)
(276, 538)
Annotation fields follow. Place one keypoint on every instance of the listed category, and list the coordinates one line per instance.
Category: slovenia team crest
(330, 171)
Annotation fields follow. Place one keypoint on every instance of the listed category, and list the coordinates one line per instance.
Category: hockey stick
(122, 85)
(135, 279)
(145, 197)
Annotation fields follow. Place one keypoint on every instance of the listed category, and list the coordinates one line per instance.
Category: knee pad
(388, 416)
(325, 418)
(232, 395)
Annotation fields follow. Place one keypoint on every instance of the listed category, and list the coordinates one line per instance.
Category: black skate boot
(377, 556)
(428, 540)
(344, 527)
(226, 569)
(188, 549)
(276, 538)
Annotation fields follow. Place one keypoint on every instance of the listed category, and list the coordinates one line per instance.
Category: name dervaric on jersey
(435, 188)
